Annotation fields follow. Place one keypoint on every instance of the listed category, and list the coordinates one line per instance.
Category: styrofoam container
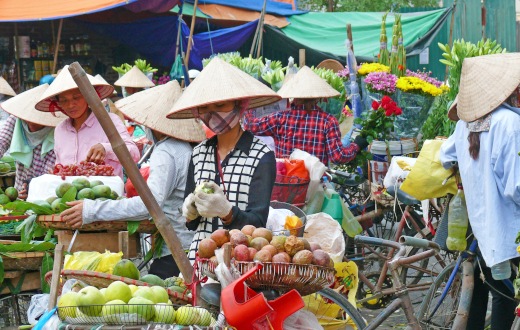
(44, 186)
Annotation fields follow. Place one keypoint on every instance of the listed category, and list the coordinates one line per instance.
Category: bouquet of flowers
(367, 68)
(381, 82)
(378, 123)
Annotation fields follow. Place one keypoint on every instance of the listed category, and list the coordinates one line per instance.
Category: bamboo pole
(17, 58)
(253, 45)
(190, 39)
(57, 47)
(261, 31)
(450, 37)
(163, 224)
(349, 36)
(56, 272)
(301, 61)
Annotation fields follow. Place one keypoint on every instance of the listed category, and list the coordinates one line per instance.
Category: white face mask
(221, 122)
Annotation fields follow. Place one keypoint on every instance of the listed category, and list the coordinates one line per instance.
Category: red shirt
(314, 131)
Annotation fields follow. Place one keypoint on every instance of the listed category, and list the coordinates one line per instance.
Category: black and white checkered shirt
(249, 172)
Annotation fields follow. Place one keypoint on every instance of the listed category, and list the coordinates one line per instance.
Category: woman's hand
(189, 211)
(22, 194)
(73, 216)
(96, 154)
(212, 205)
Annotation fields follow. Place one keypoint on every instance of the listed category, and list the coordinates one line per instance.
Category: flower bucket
(381, 151)
(415, 112)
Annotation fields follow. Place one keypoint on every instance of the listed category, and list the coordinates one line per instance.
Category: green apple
(164, 313)
(118, 291)
(144, 292)
(187, 315)
(133, 288)
(67, 305)
(113, 309)
(90, 301)
(103, 290)
(160, 294)
(205, 317)
(142, 307)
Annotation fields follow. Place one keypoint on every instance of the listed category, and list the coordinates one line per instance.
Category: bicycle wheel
(332, 309)
(447, 310)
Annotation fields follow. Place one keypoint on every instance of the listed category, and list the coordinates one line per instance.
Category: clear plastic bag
(302, 320)
(37, 307)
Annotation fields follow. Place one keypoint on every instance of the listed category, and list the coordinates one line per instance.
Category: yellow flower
(367, 68)
(518, 249)
(417, 85)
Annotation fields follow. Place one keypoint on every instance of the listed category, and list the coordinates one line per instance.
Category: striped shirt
(314, 131)
(39, 165)
(250, 165)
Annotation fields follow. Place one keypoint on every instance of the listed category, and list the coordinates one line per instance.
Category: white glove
(212, 205)
(189, 211)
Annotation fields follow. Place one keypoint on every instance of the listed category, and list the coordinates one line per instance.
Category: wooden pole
(301, 63)
(118, 145)
(258, 28)
(17, 58)
(261, 30)
(57, 47)
(450, 37)
(349, 36)
(56, 272)
(190, 39)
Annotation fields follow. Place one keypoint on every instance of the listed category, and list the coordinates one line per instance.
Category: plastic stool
(243, 306)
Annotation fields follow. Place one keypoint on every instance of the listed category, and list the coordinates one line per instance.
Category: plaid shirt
(39, 165)
(315, 132)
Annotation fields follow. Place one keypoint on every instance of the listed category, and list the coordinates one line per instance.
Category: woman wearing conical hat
(168, 171)
(134, 81)
(238, 167)
(28, 134)
(485, 146)
(81, 137)
(6, 91)
(305, 126)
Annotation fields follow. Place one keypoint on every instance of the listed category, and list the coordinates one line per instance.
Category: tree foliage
(363, 5)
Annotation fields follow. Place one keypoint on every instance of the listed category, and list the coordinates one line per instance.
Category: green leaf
(23, 206)
(47, 265)
(35, 246)
(132, 226)
(70, 195)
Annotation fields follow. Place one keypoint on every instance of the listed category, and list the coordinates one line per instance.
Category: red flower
(375, 105)
(388, 112)
(400, 67)
(385, 101)
(398, 111)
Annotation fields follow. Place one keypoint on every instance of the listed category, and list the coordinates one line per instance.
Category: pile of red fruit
(84, 168)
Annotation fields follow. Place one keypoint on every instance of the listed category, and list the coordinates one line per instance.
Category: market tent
(274, 7)
(323, 34)
(36, 10)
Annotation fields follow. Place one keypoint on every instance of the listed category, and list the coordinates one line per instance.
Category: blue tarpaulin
(272, 7)
(155, 39)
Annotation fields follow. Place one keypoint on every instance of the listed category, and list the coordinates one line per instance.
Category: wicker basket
(56, 222)
(23, 260)
(283, 277)
(207, 268)
(103, 280)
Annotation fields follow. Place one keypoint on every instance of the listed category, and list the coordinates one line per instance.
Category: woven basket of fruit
(207, 268)
(103, 280)
(56, 222)
(23, 260)
(306, 279)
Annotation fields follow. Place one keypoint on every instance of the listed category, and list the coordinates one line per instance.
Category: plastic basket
(290, 189)
(297, 211)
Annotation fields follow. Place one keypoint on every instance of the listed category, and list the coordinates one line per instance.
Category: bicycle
(395, 265)
(447, 302)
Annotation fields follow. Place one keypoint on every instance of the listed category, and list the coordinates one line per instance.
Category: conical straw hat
(306, 85)
(218, 82)
(134, 78)
(486, 82)
(150, 107)
(64, 82)
(5, 88)
(452, 109)
(103, 80)
(22, 106)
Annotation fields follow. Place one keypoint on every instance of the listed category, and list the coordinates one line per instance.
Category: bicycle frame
(399, 261)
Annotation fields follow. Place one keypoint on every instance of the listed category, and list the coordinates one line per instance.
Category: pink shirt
(71, 146)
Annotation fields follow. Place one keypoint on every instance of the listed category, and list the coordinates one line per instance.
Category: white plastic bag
(276, 219)
(315, 167)
(43, 187)
(224, 274)
(398, 170)
(38, 306)
(321, 228)
(302, 320)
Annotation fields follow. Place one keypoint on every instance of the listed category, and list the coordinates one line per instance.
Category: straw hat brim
(452, 110)
(134, 78)
(150, 107)
(306, 85)
(220, 81)
(5, 88)
(486, 82)
(64, 82)
(22, 106)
